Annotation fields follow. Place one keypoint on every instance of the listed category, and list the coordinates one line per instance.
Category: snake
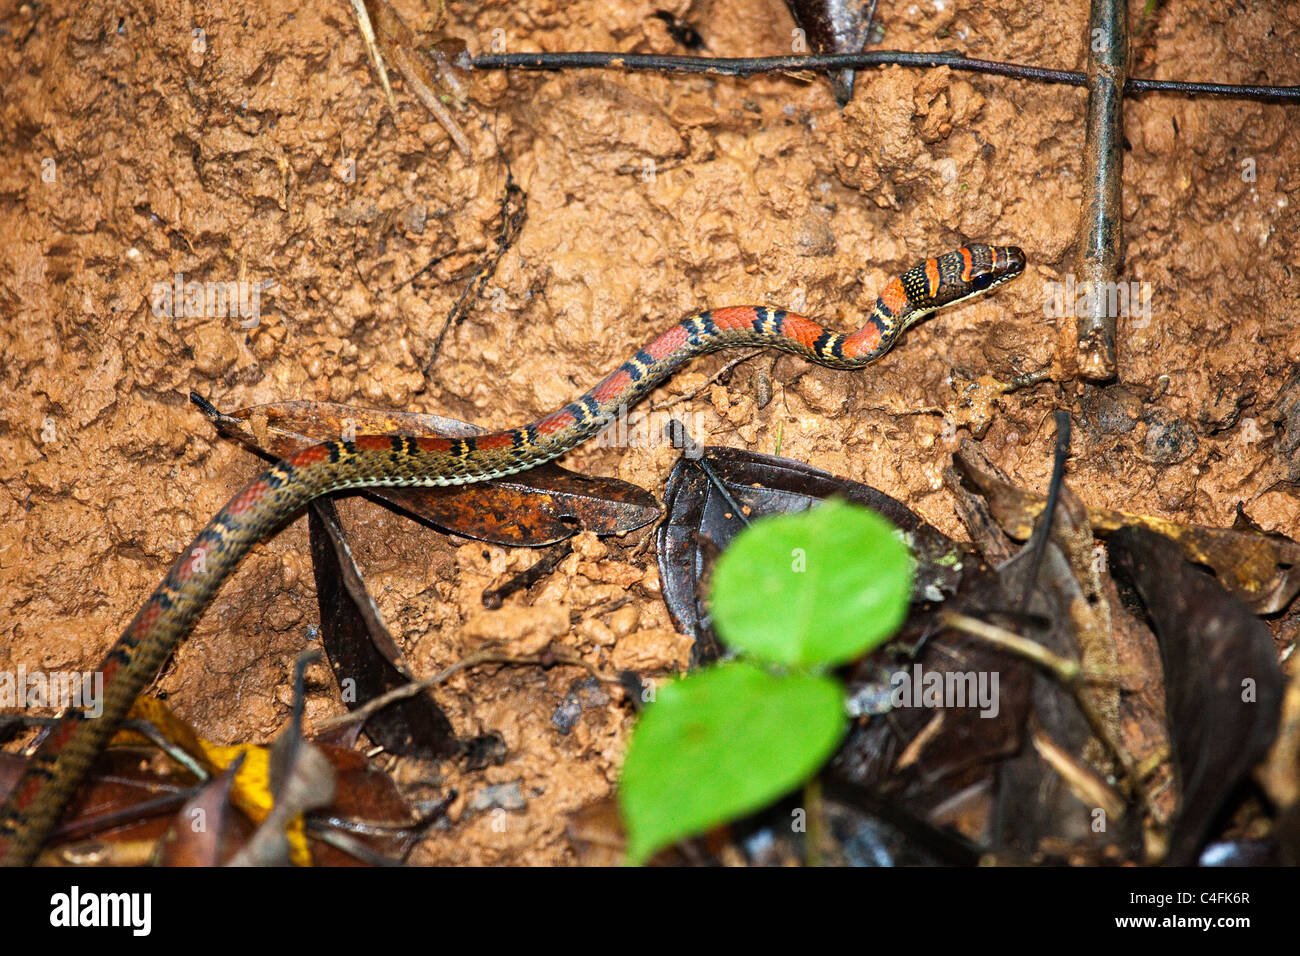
(63, 759)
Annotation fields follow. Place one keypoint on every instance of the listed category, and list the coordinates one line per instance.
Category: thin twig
(1069, 672)
(1065, 669)
(372, 48)
(1044, 530)
(716, 480)
(549, 657)
(512, 220)
(494, 597)
(670, 402)
(829, 62)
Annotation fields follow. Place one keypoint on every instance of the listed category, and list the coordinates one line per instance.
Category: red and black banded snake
(62, 761)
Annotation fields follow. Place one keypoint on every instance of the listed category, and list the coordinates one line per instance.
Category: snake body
(62, 761)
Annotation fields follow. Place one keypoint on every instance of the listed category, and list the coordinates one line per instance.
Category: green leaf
(720, 743)
(814, 588)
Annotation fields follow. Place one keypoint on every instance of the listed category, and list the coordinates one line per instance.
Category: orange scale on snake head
(932, 276)
(967, 263)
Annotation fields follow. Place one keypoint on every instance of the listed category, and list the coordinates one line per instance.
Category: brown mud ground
(648, 197)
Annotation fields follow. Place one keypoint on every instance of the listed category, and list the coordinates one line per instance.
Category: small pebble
(502, 796)
(566, 716)
(1169, 440)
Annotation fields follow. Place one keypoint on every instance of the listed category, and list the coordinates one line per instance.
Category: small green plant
(793, 595)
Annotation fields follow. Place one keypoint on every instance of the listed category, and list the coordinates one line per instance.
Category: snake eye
(981, 281)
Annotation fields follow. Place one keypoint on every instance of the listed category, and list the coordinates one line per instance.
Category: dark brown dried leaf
(701, 521)
(1223, 685)
(199, 835)
(1263, 570)
(361, 651)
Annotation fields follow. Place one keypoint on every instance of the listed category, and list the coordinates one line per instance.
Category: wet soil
(240, 141)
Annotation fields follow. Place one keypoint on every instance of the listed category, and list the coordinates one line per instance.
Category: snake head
(948, 279)
(975, 268)
(932, 285)
(1005, 263)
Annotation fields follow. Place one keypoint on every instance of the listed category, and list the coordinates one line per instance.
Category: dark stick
(514, 210)
(736, 509)
(748, 66)
(1101, 247)
(827, 62)
(494, 597)
(1044, 530)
